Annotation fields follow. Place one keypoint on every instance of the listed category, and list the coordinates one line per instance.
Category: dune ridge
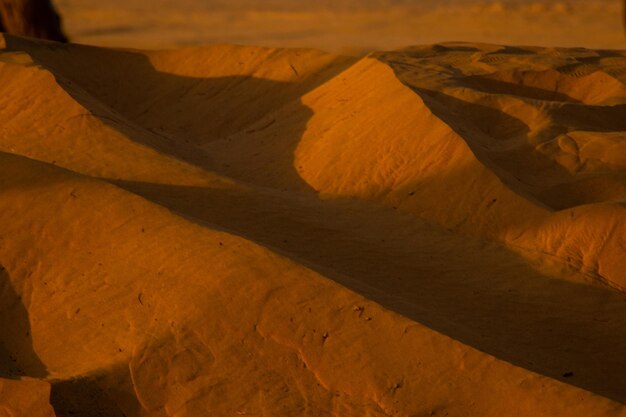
(255, 231)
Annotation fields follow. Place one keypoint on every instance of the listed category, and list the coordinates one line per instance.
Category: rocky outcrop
(33, 18)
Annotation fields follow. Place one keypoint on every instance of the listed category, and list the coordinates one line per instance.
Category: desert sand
(251, 231)
(343, 26)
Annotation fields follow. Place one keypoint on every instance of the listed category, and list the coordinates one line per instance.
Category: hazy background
(347, 26)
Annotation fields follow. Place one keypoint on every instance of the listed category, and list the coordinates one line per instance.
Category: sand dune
(230, 230)
(343, 26)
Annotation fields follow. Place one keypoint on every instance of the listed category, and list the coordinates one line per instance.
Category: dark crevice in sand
(82, 397)
(17, 355)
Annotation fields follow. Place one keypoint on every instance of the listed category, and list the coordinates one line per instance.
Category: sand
(234, 230)
(344, 26)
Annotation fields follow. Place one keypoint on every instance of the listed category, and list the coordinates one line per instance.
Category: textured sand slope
(246, 231)
(566, 151)
(511, 160)
(251, 333)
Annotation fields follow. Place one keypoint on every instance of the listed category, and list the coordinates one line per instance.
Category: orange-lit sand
(343, 26)
(242, 231)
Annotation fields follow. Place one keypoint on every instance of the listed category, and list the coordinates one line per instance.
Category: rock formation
(33, 18)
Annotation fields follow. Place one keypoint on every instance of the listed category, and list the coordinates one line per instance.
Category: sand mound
(248, 231)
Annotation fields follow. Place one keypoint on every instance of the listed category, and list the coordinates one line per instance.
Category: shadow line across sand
(439, 279)
(503, 142)
(179, 115)
(433, 277)
(18, 359)
(17, 355)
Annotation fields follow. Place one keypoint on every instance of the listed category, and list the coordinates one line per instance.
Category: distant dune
(353, 27)
(231, 230)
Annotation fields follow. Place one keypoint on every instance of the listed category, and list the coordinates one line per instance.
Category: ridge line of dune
(70, 85)
(388, 193)
(491, 363)
(346, 260)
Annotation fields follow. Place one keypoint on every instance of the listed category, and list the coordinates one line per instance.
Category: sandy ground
(351, 26)
(237, 230)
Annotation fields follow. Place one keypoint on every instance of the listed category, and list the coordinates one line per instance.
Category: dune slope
(248, 231)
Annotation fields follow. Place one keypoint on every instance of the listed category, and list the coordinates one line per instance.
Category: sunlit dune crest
(232, 230)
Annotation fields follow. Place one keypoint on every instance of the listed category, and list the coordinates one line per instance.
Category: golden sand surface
(344, 26)
(249, 231)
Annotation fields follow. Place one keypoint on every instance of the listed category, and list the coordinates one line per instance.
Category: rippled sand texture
(231, 230)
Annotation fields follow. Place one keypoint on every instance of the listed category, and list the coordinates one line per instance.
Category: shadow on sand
(568, 331)
(499, 305)
(17, 356)
(179, 115)
(18, 359)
